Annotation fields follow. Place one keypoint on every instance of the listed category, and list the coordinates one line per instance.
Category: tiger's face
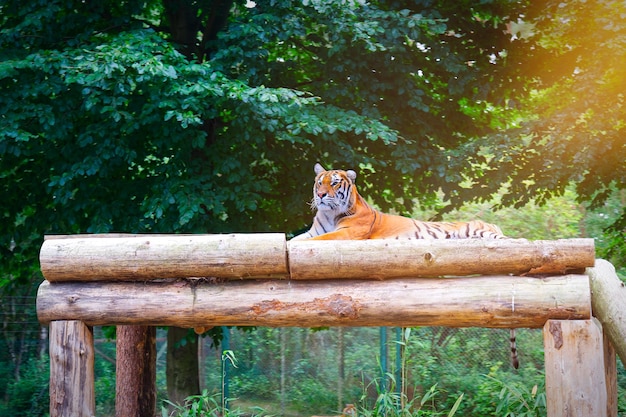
(332, 189)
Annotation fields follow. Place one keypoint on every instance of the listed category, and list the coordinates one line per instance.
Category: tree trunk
(182, 365)
(135, 385)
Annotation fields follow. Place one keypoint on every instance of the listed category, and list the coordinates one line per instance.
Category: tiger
(343, 214)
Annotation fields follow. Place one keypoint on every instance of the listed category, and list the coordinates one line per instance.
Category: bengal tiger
(342, 214)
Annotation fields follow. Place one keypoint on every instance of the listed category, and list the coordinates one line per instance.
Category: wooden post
(575, 369)
(72, 389)
(135, 372)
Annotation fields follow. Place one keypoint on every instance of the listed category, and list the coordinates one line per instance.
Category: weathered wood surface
(501, 301)
(143, 257)
(575, 371)
(380, 259)
(608, 300)
(135, 371)
(72, 379)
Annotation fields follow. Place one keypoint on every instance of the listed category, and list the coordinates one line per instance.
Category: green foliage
(252, 385)
(204, 405)
(29, 393)
(105, 381)
(309, 390)
(573, 123)
(522, 397)
(604, 223)
(392, 402)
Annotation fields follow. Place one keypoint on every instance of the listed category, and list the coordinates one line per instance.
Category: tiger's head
(333, 190)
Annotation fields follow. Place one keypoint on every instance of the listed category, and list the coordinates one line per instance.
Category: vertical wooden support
(575, 370)
(135, 383)
(72, 390)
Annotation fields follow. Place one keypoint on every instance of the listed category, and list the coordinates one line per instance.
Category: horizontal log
(143, 257)
(499, 302)
(380, 259)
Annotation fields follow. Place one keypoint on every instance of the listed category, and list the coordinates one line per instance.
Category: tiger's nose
(321, 194)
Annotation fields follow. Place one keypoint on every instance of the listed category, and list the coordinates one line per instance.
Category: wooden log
(379, 259)
(574, 366)
(135, 371)
(502, 301)
(72, 389)
(608, 300)
(143, 257)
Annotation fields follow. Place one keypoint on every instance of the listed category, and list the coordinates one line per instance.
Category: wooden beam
(142, 257)
(608, 300)
(72, 389)
(501, 301)
(575, 371)
(380, 259)
(236, 256)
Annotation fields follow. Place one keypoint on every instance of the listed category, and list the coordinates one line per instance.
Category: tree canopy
(207, 116)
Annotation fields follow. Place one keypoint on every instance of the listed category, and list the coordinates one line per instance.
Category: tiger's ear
(318, 169)
(351, 174)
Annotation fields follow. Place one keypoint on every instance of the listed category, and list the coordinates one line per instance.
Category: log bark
(380, 259)
(135, 371)
(608, 300)
(142, 257)
(502, 301)
(574, 364)
(72, 391)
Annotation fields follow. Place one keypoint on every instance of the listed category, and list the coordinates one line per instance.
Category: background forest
(199, 116)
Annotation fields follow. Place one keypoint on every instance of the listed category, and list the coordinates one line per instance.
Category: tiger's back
(399, 227)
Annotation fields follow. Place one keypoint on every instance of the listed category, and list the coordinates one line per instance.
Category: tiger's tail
(514, 358)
